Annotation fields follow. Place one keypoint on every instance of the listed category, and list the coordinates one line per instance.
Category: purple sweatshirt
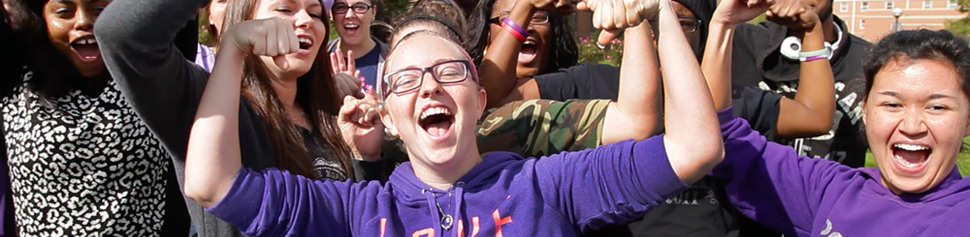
(815, 197)
(505, 194)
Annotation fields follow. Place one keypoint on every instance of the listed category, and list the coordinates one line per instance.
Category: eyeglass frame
(391, 87)
(354, 6)
(498, 19)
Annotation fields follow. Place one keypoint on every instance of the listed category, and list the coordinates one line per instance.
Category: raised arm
(136, 39)
(636, 112)
(213, 156)
(497, 69)
(691, 141)
(810, 112)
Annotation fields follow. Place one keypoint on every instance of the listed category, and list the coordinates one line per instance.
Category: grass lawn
(963, 160)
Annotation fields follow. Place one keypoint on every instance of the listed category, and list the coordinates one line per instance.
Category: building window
(889, 5)
(844, 7)
(927, 4)
(862, 24)
(952, 4)
(865, 6)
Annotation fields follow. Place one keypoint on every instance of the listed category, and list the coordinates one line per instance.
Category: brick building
(873, 19)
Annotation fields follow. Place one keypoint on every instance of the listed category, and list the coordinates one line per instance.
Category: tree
(960, 26)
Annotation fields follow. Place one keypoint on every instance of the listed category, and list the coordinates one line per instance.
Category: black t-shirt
(583, 81)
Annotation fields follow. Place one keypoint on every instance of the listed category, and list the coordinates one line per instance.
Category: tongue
(527, 54)
(911, 158)
(87, 53)
(438, 129)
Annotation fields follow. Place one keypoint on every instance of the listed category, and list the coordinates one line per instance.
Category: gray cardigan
(136, 40)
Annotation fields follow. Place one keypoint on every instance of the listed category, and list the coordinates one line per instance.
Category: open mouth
(910, 157)
(436, 121)
(86, 48)
(351, 27)
(305, 42)
(527, 53)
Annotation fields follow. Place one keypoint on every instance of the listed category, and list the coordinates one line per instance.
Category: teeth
(86, 41)
(435, 111)
(306, 41)
(911, 147)
(529, 42)
(351, 26)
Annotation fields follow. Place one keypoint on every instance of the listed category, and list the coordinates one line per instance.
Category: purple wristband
(515, 26)
(813, 58)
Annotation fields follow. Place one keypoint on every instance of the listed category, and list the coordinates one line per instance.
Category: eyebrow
(932, 96)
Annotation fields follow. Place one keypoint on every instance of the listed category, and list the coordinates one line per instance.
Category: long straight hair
(315, 92)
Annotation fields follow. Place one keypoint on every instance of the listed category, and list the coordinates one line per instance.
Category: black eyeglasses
(359, 7)
(539, 18)
(410, 79)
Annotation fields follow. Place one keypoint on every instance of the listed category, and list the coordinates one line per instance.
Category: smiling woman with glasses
(353, 20)
(449, 188)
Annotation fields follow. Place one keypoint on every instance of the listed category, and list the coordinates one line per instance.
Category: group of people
(475, 118)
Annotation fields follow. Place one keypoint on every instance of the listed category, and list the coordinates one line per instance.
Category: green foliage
(960, 26)
(611, 55)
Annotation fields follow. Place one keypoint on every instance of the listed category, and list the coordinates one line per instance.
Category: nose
(303, 19)
(85, 20)
(350, 12)
(913, 123)
(429, 86)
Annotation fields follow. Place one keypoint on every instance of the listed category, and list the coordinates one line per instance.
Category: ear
(389, 127)
(482, 101)
(862, 106)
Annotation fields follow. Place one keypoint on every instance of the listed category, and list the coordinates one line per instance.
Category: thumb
(606, 36)
(281, 61)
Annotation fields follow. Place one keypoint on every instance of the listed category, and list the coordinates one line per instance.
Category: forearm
(692, 140)
(136, 40)
(636, 113)
(213, 156)
(717, 63)
(498, 65)
(811, 111)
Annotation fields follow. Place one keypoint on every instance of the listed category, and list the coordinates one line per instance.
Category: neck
(444, 176)
(360, 49)
(828, 28)
(285, 89)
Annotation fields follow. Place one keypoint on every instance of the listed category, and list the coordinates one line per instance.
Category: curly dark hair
(920, 44)
(564, 53)
(53, 73)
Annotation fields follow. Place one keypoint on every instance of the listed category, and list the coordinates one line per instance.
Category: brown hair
(315, 92)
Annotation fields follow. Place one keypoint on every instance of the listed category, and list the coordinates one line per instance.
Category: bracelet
(517, 31)
(824, 52)
(813, 58)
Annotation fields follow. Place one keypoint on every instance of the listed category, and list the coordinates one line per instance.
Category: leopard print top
(82, 165)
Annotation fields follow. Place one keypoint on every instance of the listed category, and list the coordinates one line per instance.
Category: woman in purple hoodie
(448, 188)
(916, 113)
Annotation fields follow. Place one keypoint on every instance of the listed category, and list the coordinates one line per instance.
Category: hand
(794, 14)
(347, 85)
(560, 6)
(361, 126)
(733, 12)
(614, 15)
(347, 80)
(272, 37)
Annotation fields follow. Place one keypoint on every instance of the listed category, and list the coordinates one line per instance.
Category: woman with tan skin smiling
(81, 161)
